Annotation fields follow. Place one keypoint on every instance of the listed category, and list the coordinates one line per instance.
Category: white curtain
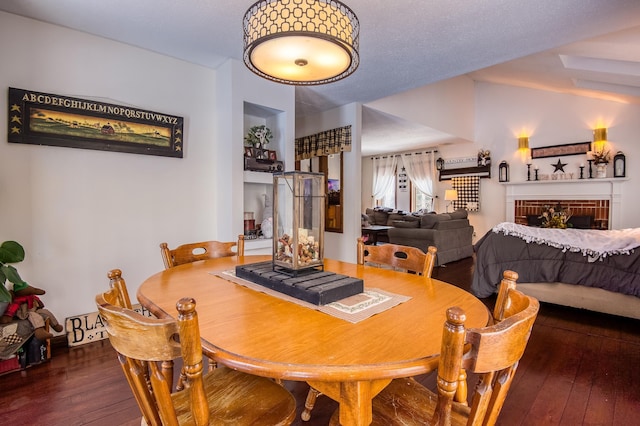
(384, 175)
(420, 169)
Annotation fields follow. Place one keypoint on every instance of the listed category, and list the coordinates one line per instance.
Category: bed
(589, 269)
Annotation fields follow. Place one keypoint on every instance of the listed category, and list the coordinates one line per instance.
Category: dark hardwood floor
(580, 368)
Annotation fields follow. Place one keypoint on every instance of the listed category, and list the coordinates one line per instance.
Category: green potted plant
(10, 252)
(258, 136)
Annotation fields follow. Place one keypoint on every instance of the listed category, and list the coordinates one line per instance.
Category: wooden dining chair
(494, 352)
(192, 252)
(404, 258)
(222, 396)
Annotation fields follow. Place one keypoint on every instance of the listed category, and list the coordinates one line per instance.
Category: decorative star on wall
(559, 166)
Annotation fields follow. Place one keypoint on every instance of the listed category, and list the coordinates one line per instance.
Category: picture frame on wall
(37, 118)
(561, 150)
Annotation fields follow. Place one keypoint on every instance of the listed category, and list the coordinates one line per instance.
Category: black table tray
(317, 287)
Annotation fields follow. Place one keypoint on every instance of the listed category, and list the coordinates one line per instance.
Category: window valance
(324, 143)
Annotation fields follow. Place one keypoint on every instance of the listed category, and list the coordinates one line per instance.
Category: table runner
(352, 309)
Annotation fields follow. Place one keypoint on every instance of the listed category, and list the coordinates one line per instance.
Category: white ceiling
(586, 47)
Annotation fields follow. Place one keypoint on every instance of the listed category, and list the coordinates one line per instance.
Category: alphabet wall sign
(45, 119)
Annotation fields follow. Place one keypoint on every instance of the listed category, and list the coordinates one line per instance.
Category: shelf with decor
(263, 144)
(561, 181)
(258, 177)
(482, 171)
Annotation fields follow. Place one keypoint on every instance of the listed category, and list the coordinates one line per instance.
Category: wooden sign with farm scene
(55, 120)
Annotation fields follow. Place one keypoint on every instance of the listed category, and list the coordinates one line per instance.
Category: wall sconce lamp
(450, 195)
(440, 163)
(301, 42)
(599, 138)
(523, 143)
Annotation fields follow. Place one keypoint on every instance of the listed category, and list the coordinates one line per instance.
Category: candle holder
(528, 172)
(590, 169)
(581, 172)
(536, 174)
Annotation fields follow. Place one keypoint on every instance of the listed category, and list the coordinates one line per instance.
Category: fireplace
(585, 214)
(598, 199)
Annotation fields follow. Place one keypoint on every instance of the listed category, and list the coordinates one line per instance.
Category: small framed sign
(560, 150)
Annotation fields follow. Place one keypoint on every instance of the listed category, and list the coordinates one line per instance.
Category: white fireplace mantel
(576, 189)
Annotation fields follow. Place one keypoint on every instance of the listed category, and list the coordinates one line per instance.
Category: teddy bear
(26, 304)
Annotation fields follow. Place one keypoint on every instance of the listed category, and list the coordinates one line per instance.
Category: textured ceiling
(403, 44)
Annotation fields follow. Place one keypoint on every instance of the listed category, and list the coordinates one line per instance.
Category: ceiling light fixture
(301, 42)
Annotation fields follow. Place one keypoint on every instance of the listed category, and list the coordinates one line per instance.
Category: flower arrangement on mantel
(258, 136)
(555, 217)
(601, 157)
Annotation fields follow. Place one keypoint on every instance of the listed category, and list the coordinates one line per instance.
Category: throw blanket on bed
(589, 242)
(497, 252)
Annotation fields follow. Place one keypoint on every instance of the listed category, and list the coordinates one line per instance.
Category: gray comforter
(496, 252)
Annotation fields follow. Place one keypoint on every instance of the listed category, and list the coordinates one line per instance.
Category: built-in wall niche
(258, 185)
(257, 115)
(254, 199)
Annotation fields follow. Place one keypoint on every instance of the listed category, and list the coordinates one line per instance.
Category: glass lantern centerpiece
(298, 221)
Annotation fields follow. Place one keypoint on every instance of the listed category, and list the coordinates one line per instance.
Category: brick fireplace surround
(597, 209)
(600, 198)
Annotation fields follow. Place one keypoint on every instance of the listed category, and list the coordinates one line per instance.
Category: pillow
(405, 223)
(459, 214)
(428, 221)
(364, 220)
(380, 217)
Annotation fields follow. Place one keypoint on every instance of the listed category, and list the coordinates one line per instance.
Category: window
(420, 200)
(388, 198)
(384, 181)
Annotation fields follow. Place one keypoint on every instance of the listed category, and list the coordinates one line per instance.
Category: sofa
(450, 233)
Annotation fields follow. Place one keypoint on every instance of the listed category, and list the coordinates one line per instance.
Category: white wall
(80, 213)
(503, 112)
(342, 246)
(446, 106)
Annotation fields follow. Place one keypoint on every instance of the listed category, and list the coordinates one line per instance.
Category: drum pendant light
(301, 42)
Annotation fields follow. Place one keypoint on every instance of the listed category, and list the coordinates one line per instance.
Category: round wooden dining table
(266, 335)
